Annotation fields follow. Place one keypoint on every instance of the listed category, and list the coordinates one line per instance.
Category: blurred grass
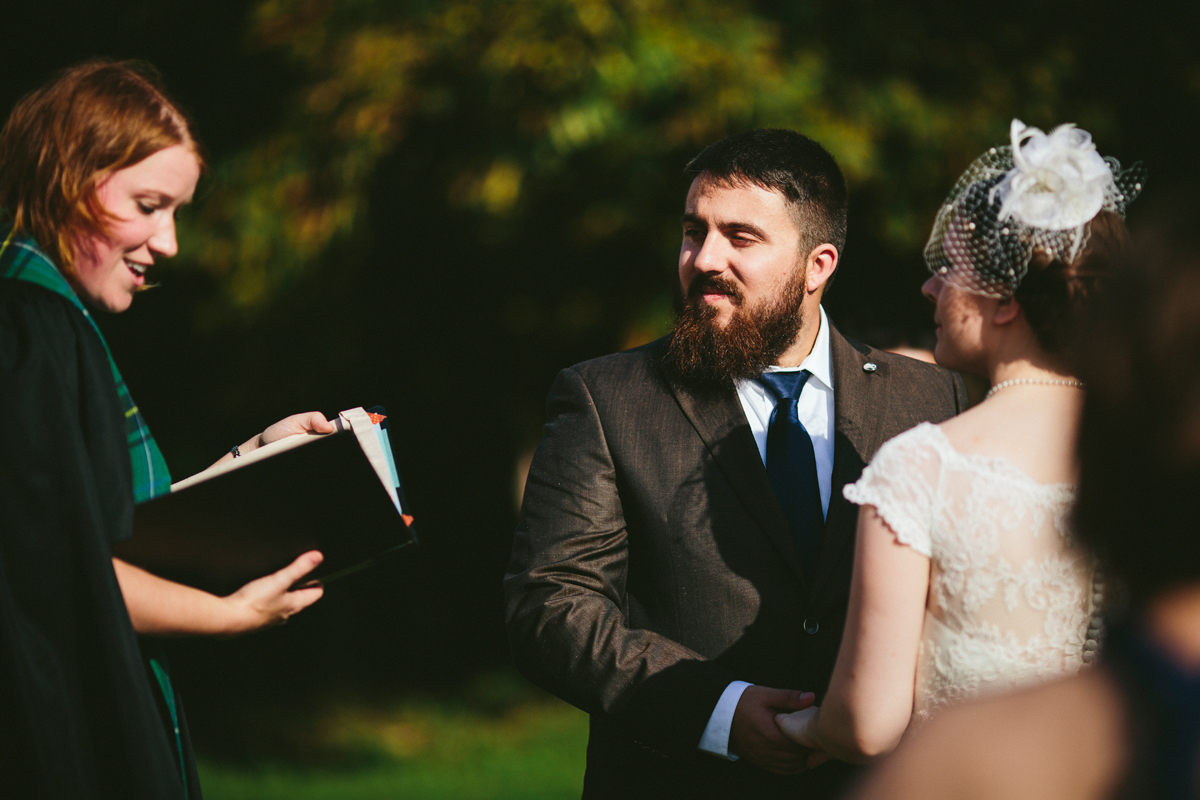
(497, 738)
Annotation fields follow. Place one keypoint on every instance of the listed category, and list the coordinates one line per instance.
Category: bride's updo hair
(63, 139)
(1055, 292)
(1036, 220)
(1139, 443)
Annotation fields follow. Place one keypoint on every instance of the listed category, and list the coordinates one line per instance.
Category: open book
(339, 493)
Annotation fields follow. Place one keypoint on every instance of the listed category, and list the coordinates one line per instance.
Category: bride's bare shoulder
(1035, 432)
(973, 430)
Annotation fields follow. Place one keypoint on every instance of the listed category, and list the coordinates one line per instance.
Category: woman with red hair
(93, 167)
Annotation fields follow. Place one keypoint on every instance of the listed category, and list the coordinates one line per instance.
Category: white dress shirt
(814, 407)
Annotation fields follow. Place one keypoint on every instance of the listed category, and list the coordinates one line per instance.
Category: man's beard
(703, 355)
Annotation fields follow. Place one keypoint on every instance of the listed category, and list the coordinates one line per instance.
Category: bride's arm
(870, 697)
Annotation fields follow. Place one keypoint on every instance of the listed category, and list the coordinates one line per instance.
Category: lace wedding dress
(1011, 597)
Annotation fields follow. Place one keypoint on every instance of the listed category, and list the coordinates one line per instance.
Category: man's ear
(822, 261)
(1007, 310)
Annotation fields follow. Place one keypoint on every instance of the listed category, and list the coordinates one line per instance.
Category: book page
(360, 422)
(293, 499)
(355, 419)
(255, 455)
(386, 444)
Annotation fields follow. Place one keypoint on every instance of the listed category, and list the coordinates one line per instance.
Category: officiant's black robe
(77, 715)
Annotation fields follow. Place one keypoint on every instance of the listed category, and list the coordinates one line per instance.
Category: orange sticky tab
(408, 520)
(376, 418)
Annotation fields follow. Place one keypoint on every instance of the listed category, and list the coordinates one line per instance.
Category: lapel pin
(870, 366)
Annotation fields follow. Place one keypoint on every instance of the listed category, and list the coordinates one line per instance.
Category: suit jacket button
(811, 626)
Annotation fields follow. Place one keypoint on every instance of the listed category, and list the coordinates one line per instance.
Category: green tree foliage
(435, 204)
(610, 97)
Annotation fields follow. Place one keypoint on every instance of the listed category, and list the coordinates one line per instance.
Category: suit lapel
(860, 407)
(721, 423)
(860, 400)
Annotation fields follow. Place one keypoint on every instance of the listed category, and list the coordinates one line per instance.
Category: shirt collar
(818, 361)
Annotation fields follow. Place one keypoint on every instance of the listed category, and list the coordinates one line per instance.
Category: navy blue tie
(792, 466)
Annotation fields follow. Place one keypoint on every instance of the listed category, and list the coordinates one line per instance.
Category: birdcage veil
(1039, 194)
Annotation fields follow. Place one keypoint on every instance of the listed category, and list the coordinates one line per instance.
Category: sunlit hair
(62, 140)
(1055, 293)
(792, 164)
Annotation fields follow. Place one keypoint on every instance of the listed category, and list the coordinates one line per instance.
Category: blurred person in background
(1130, 729)
(967, 578)
(93, 168)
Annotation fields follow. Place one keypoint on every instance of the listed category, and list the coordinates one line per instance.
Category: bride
(966, 578)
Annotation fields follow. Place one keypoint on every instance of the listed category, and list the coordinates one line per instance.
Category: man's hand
(754, 736)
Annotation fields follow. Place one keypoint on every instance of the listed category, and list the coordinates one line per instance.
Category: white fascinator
(1038, 194)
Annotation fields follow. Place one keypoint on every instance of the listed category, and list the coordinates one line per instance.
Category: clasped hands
(770, 729)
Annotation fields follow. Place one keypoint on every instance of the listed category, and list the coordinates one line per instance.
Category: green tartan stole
(22, 259)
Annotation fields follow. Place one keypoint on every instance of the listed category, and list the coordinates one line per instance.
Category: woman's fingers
(297, 423)
(315, 421)
(301, 599)
(795, 725)
(295, 600)
(270, 599)
(304, 564)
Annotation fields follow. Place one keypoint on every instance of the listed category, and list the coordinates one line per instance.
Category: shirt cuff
(716, 735)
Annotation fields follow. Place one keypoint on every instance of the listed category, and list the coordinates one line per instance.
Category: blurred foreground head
(1139, 497)
(65, 138)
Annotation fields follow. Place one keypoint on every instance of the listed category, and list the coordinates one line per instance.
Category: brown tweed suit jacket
(652, 563)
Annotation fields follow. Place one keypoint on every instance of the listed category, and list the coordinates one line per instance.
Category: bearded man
(683, 544)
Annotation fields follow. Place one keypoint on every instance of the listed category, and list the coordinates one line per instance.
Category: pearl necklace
(1044, 381)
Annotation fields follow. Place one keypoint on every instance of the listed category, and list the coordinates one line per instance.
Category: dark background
(502, 207)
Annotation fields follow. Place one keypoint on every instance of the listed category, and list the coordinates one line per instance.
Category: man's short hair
(791, 164)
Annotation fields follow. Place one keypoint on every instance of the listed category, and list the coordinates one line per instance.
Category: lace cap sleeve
(901, 482)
